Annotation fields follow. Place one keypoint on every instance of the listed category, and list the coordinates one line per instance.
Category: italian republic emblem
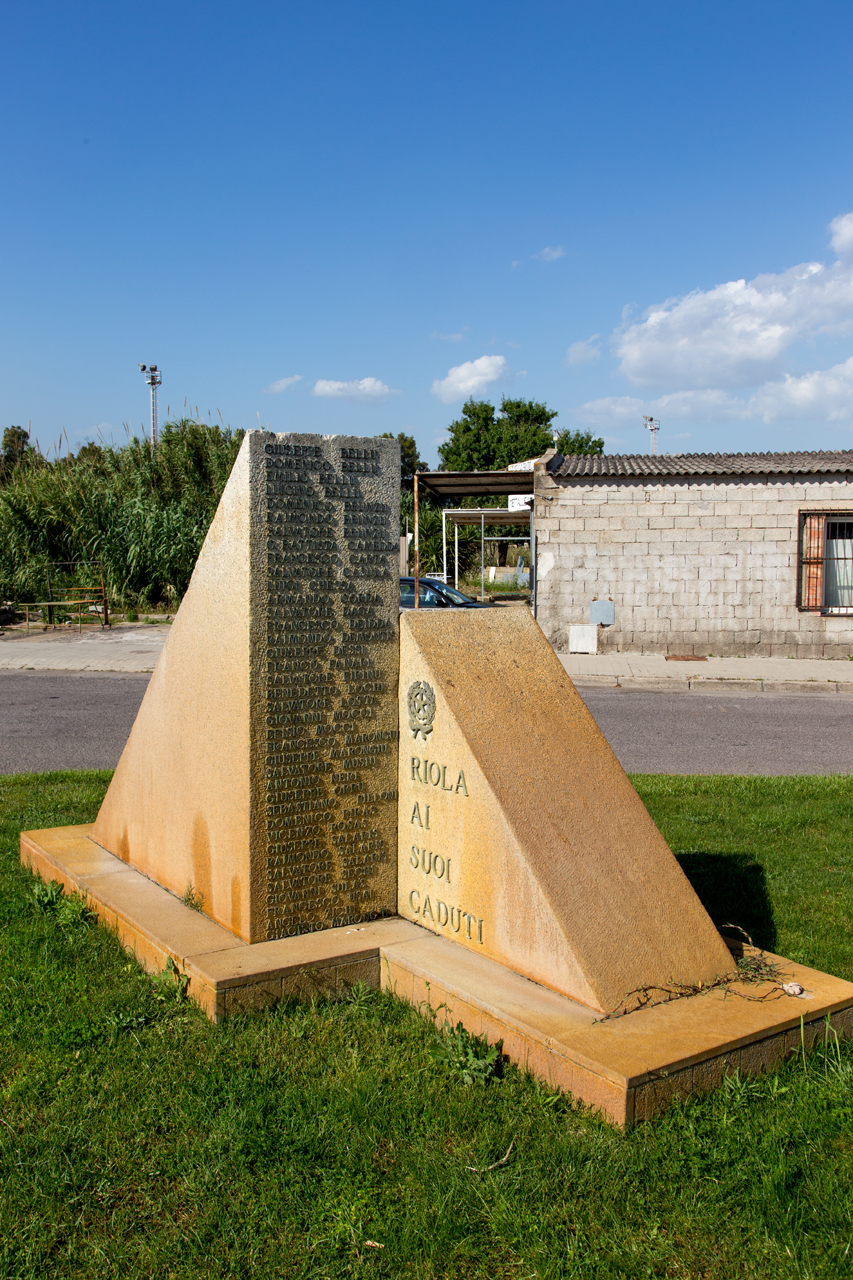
(421, 702)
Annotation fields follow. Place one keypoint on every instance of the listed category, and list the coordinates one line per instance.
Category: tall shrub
(142, 514)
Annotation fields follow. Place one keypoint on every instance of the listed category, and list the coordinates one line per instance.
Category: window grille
(826, 563)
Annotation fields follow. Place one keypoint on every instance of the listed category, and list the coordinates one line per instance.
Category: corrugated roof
(467, 484)
(702, 464)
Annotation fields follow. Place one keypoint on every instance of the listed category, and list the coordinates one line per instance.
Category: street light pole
(153, 377)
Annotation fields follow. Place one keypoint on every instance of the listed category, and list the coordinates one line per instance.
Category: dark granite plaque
(325, 648)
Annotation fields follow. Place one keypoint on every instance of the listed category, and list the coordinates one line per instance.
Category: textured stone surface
(520, 835)
(261, 770)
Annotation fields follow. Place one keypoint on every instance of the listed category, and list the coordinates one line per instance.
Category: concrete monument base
(630, 1068)
(225, 973)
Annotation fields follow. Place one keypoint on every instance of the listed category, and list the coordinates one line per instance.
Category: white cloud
(357, 389)
(283, 383)
(701, 406)
(469, 379)
(842, 234)
(549, 253)
(583, 352)
(450, 337)
(823, 395)
(736, 333)
(611, 411)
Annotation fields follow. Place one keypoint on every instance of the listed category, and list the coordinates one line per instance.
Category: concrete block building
(705, 554)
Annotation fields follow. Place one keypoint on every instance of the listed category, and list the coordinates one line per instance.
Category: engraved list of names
(330, 733)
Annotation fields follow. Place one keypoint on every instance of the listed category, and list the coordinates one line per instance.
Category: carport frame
(478, 516)
(476, 484)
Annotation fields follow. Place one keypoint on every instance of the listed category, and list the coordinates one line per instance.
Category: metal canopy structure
(482, 516)
(476, 484)
(491, 515)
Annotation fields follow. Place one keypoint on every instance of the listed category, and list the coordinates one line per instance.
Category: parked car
(435, 595)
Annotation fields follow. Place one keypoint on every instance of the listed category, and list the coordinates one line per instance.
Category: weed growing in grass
(360, 997)
(344, 1224)
(69, 911)
(172, 980)
(470, 1058)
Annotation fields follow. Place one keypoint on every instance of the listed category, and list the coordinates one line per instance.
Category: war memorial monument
(417, 800)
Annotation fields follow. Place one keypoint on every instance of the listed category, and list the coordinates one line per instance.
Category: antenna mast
(653, 426)
(153, 377)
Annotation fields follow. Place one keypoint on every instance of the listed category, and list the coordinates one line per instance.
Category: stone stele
(520, 834)
(261, 771)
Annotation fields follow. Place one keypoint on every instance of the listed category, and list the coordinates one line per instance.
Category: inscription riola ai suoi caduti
(332, 549)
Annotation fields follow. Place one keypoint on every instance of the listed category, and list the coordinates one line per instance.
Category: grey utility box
(602, 611)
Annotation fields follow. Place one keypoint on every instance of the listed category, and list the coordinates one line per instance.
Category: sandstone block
(268, 732)
(554, 867)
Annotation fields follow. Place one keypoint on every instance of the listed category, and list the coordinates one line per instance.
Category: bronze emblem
(421, 702)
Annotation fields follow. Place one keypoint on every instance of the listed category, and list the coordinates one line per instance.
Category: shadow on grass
(733, 890)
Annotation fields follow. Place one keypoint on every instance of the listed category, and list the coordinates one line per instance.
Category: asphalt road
(766, 733)
(52, 720)
(65, 720)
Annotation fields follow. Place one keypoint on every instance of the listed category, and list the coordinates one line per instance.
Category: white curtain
(838, 565)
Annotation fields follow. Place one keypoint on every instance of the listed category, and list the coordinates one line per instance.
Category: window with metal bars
(826, 562)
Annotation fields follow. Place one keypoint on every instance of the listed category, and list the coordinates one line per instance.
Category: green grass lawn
(508, 586)
(138, 1140)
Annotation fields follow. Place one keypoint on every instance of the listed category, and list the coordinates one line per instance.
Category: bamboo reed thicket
(140, 514)
(143, 515)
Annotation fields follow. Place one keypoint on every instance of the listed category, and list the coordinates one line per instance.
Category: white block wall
(704, 565)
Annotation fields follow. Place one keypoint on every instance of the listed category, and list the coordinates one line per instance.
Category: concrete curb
(696, 684)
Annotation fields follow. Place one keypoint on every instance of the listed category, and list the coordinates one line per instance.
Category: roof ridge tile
(801, 462)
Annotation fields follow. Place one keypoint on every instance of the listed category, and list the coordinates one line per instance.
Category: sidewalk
(128, 646)
(714, 675)
(136, 647)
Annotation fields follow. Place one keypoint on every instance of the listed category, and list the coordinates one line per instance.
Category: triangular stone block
(261, 770)
(521, 837)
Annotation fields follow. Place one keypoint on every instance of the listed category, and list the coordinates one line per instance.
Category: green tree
(90, 452)
(16, 445)
(410, 459)
(526, 430)
(482, 440)
(574, 442)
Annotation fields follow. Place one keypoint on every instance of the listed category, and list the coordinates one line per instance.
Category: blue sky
(616, 209)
